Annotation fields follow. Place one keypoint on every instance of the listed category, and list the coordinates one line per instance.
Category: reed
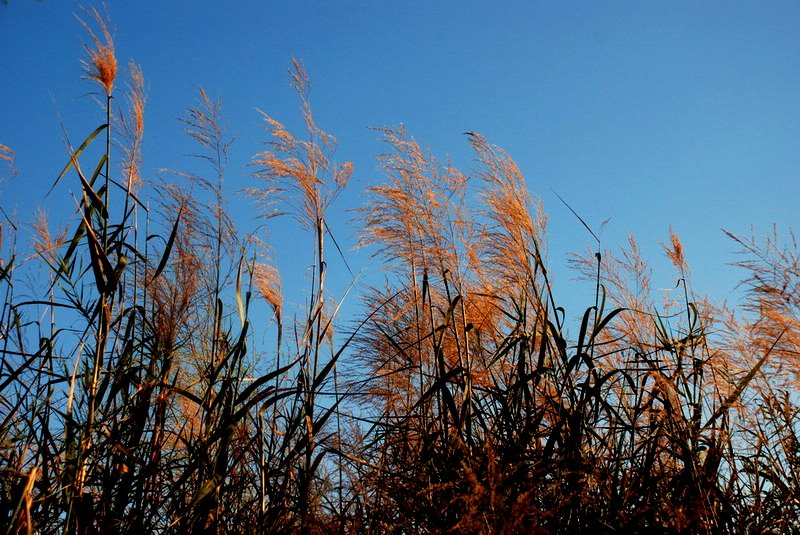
(136, 396)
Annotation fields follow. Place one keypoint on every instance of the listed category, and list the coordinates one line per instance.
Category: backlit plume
(7, 160)
(268, 283)
(675, 251)
(6, 153)
(102, 63)
(132, 128)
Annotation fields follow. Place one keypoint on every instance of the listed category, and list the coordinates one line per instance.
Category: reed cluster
(134, 397)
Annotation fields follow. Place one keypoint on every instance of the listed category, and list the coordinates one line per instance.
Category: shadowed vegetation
(137, 393)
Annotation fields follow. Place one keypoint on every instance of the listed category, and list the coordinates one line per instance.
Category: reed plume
(6, 154)
(45, 244)
(7, 157)
(101, 65)
(675, 251)
(131, 128)
(300, 169)
(137, 393)
(515, 241)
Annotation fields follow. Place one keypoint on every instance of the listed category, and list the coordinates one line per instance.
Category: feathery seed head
(304, 167)
(137, 98)
(44, 243)
(7, 155)
(675, 251)
(101, 65)
(268, 283)
(132, 127)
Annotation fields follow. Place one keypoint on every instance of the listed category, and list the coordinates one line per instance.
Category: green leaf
(164, 257)
(94, 198)
(74, 155)
(101, 266)
(239, 304)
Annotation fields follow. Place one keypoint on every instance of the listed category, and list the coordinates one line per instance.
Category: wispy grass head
(267, 281)
(517, 223)
(204, 124)
(7, 155)
(44, 242)
(132, 127)
(303, 166)
(101, 65)
(675, 251)
(410, 218)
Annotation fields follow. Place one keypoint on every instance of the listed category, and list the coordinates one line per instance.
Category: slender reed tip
(101, 65)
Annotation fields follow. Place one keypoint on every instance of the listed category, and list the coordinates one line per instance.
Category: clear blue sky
(651, 113)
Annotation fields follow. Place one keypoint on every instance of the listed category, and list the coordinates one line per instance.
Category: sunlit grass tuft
(157, 379)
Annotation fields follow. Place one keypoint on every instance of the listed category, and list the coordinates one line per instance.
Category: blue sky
(651, 113)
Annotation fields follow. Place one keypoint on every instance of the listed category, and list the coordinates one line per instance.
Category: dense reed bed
(135, 399)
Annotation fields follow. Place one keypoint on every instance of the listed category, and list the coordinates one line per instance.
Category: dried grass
(137, 394)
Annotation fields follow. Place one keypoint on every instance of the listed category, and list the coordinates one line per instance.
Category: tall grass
(135, 397)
